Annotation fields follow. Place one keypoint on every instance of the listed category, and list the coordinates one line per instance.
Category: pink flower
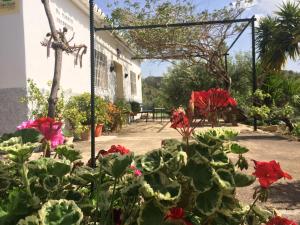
(136, 172)
(25, 125)
(48, 127)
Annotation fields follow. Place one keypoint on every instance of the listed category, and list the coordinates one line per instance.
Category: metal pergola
(94, 29)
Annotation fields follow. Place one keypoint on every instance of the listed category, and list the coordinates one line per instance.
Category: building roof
(100, 20)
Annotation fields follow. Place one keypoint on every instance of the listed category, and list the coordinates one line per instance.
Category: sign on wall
(9, 6)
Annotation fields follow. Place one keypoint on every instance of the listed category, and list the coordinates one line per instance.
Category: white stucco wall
(12, 71)
(40, 68)
(12, 50)
(22, 56)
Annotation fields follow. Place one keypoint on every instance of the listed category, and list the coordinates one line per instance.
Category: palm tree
(279, 37)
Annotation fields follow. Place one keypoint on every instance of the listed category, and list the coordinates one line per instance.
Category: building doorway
(119, 81)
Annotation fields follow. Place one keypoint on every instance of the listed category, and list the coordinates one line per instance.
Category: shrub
(135, 107)
(37, 101)
(78, 112)
(296, 130)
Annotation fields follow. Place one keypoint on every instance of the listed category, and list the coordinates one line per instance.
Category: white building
(23, 27)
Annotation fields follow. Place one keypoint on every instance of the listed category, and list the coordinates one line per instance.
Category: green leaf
(159, 186)
(60, 212)
(59, 168)
(74, 195)
(120, 165)
(219, 159)
(29, 220)
(68, 153)
(152, 161)
(225, 179)
(237, 149)
(263, 213)
(200, 172)
(83, 175)
(18, 152)
(209, 201)
(228, 205)
(51, 183)
(150, 214)
(16, 199)
(28, 135)
(131, 190)
(243, 180)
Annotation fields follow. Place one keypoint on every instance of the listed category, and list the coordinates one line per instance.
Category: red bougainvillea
(48, 127)
(177, 214)
(277, 220)
(269, 172)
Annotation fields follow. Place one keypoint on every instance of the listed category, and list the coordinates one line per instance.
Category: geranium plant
(49, 128)
(209, 104)
(170, 185)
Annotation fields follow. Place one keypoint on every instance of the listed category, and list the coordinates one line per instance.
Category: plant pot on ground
(86, 135)
(98, 130)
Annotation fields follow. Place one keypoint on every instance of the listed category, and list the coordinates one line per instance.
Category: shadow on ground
(259, 137)
(286, 193)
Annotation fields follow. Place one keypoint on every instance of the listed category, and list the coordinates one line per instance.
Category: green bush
(135, 107)
(78, 112)
(37, 101)
(296, 130)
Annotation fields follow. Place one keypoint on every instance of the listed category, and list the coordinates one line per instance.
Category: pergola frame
(94, 29)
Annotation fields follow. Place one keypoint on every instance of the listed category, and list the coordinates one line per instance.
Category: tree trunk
(227, 83)
(288, 123)
(55, 83)
(58, 61)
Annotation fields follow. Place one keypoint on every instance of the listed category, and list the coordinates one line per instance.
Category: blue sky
(260, 8)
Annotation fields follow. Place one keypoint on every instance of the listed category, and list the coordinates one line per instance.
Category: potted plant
(78, 114)
(101, 114)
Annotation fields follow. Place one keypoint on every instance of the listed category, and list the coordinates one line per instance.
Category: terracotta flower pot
(98, 130)
(86, 135)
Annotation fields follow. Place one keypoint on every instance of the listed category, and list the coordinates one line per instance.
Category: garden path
(141, 137)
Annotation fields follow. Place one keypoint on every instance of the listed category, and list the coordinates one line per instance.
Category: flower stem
(251, 207)
(112, 200)
(25, 179)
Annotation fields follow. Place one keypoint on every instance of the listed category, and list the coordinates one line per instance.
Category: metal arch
(94, 29)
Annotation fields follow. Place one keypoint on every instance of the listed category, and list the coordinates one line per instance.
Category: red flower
(177, 213)
(277, 220)
(115, 149)
(181, 123)
(269, 172)
(48, 127)
(211, 101)
(179, 120)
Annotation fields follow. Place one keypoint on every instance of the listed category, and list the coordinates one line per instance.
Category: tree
(151, 92)
(181, 80)
(279, 37)
(199, 44)
(57, 40)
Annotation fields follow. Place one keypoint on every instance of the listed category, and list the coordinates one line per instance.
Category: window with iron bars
(133, 83)
(101, 78)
